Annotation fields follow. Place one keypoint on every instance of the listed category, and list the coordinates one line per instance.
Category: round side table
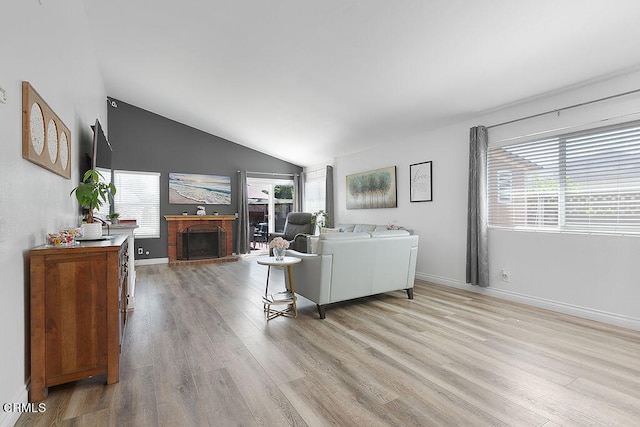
(286, 298)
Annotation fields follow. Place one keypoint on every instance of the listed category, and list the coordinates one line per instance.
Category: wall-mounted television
(102, 150)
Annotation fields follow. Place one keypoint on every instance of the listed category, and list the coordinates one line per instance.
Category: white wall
(50, 47)
(586, 275)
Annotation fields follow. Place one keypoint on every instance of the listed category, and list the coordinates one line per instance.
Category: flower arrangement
(279, 243)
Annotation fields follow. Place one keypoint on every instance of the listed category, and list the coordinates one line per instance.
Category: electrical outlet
(505, 276)
(140, 251)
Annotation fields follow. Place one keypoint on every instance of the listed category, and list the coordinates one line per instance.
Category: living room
(587, 275)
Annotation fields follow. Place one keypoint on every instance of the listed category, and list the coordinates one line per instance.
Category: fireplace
(200, 242)
(206, 239)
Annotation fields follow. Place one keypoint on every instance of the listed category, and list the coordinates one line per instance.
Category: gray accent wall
(144, 141)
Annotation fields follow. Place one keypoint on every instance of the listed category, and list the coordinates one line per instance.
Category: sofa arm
(312, 276)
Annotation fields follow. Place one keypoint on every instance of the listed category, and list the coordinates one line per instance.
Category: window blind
(138, 196)
(315, 188)
(580, 182)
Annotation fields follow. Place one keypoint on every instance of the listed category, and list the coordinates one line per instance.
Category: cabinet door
(75, 317)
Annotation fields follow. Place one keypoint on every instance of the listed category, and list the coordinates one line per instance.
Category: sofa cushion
(360, 228)
(389, 233)
(344, 236)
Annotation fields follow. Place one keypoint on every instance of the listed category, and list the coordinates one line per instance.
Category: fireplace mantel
(180, 222)
(200, 217)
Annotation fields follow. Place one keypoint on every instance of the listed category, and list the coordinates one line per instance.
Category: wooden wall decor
(46, 141)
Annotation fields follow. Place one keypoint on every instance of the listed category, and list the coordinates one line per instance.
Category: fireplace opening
(200, 242)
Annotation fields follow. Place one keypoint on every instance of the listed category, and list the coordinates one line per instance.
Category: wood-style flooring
(199, 352)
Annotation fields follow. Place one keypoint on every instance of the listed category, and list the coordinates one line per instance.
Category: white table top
(288, 260)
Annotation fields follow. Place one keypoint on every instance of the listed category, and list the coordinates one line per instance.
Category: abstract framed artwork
(46, 140)
(195, 189)
(421, 185)
(372, 189)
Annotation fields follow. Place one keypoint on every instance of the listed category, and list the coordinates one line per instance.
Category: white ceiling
(310, 80)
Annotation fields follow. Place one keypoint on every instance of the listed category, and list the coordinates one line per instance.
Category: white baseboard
(9, 419)
(152, 261)
(557, 306)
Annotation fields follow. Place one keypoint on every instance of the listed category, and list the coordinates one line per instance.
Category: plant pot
(91, 231)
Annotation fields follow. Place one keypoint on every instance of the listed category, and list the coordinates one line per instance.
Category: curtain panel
(329, 202)
(477, 236)
(243, 214)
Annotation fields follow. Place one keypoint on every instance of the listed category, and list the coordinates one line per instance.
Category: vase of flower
(279, 246)
(279, 253)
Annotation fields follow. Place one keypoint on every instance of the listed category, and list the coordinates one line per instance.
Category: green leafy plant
(319, 218)
(93, 193)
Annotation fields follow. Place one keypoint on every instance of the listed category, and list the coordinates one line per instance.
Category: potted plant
(319, 218)
(113, 217)
(91, 194)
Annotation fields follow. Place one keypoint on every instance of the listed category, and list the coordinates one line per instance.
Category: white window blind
(138, 197)
(582, 182)
(315, 189)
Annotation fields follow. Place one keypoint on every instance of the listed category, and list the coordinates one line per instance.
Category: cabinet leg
(38, 392)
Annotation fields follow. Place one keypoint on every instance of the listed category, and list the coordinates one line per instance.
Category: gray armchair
(296, 229)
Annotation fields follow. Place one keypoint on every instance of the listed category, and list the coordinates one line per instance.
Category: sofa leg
(321, 311)
(410, 293)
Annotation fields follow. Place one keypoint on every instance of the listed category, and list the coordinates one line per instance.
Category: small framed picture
(420, 182)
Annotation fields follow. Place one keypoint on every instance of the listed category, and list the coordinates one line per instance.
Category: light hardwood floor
(198, 351)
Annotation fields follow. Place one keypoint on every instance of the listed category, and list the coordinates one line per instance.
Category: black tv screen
(102, 150)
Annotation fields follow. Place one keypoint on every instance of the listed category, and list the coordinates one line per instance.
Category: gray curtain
(477, 242)
(329, 203)
(297, 193)
(242, 223)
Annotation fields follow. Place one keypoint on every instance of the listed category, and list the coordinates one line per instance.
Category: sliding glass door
(270, 200)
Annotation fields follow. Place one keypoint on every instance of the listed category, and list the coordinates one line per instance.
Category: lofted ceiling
(310, 80)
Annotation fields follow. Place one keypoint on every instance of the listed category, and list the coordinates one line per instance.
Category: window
(138, 196)
(583, 182)
(504, 186)
(315, 188)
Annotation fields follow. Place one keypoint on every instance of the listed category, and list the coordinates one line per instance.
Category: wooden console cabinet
(78, 312)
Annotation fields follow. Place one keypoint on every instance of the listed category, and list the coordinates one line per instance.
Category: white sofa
(353, 265)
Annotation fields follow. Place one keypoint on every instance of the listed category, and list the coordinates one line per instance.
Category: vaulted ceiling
(309, 80)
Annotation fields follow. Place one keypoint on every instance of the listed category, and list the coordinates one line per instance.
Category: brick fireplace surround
(178, 223)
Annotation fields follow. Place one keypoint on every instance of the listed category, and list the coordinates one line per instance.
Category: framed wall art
(195, 189)
(372, 189)
(420, 182)
(46, 140)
